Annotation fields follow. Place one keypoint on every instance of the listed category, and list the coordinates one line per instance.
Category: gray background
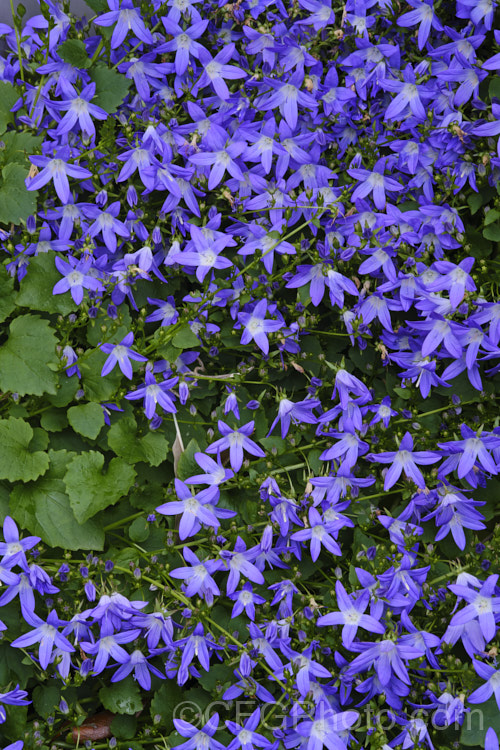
(78, 7)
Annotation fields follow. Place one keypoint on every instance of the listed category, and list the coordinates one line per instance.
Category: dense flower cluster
(266, 173)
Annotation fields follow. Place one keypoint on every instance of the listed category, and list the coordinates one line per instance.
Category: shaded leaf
(87, 419)
(90, 490)
(25, 358)
(17, 461)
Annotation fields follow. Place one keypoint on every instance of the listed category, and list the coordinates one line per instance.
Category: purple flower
(345, 384)
(423, 15)
(199, 739)
(215, 473)
(14, 549)
(166, 311)
(76, 278)
(216, 71)
(351, 615)
(473, 448)
(194, 510)
(482, 605)
(47, 635)
(79, 109)
(15, 697)
(409, 95)
(374, 182)
(320, 534)
(220, 161)
(245, 736)
(198, 576)
(490, 741)
(240, 562)
(106, 224)
(140, 666)
(155, 393)
(108, 645)
(327, 729)
(287, 96)
(236, 441)
(56, 169)
(299, 412)
(246, 599)
(198, 644)
(405, 459)
(127, 18)
(122, 354)
(491, 686)
(256, 327)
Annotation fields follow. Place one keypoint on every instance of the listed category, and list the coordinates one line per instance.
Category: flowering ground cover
(249, 419)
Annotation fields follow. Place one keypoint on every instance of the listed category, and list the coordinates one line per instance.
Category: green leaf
(16, 202)
(165, 701)
(121, 698)
(18, 147)
(17, 462)
(126, 441)
(8, 97)
(43, 507)
(87, 419)
(97, 388)
(74, 52)
(103, 328)
(123, 727)
(187, 466)
(90, 490)
(66, 389)
(274, 445)
(98, 6)
(54, 420)
(111, 88)
(475, 201)
(494, 87)
(492, 232)
(46, 700)
(138, 530)
(482, 716)
(15, 726)
(185, 338)
(219, 674)
(36, 287)
(25, 358)
(491, 216)
(7, 300)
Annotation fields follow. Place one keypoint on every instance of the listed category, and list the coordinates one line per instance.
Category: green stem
(459, 570)
(97, 52)
(18, 41)
(278, 242)
(117, 524)
(436, 411)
